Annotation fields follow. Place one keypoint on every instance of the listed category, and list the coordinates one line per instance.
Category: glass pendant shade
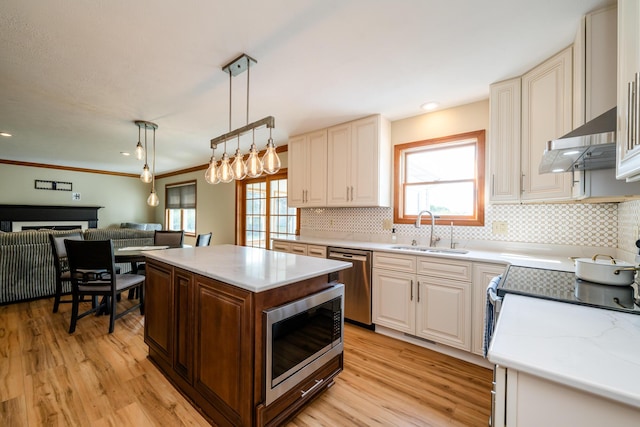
(254, 164)
(211, 175)
(225, 173)
(139, 151)
(270, 160)
(238, 166)
(153, 200)
(145, 176)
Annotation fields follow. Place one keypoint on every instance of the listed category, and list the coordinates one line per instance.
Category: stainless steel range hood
(590, 146)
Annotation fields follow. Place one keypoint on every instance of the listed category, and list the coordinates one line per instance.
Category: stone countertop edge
(590, 349)
(252, 269)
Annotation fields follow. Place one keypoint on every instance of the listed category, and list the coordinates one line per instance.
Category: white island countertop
(252, 269)
(591, 349)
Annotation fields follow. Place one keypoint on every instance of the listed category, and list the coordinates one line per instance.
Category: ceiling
(75, 75)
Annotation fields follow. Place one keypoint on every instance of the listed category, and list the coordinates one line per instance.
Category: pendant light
(238, 166)
(211, 175)
(254, 164)
(270, 160)
(225, 173)
(153, 200)
(145, 176)
(139, 149)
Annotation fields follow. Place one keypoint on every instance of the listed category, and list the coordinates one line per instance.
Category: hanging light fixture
(146, 175)
(253, 166)
(153, 200)
(139, 149)
(270, 160)
(211, 175)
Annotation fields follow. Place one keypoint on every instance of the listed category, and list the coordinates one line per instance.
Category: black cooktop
(565, 287)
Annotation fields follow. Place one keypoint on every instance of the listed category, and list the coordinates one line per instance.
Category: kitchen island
(204, 326)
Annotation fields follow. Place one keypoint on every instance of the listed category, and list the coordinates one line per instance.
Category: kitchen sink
(431, 250)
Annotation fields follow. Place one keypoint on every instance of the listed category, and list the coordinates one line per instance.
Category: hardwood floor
(48, 377)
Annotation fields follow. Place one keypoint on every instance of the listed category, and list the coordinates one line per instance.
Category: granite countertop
(590, 349)
(248, 268)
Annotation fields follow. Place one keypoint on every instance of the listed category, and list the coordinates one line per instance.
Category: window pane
(174, 219)
(444, 164)
(189, 220)
(440, 199)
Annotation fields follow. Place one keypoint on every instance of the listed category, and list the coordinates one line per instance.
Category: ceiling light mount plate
(145, 124)
(239, 65)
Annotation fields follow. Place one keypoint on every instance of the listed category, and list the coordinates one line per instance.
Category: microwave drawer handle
(348, 256)
(316, 385)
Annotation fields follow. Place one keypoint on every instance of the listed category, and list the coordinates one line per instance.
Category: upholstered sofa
(26, 260)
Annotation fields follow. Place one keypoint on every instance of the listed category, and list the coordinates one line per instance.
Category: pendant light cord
(153, 173)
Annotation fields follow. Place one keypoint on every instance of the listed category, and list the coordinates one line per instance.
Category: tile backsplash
(564, 224)
(628, 223)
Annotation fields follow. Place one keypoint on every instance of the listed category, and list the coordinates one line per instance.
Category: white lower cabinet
(436, 307)
(528, 400)
(299, 248)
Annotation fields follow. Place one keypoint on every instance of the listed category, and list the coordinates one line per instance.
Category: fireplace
(29, 217)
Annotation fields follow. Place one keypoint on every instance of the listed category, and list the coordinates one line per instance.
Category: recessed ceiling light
(5, 134)
(125, 153)
(429, 106)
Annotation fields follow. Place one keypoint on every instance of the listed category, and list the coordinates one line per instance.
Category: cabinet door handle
(352, 193)
(418, 291)
(493, 185)
(636, 109)
(411, 291)
(522, 183)
(629, 117)
(303, 393)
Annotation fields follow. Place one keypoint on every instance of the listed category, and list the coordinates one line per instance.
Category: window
(444, 176)
(264, 211)
(180, 211)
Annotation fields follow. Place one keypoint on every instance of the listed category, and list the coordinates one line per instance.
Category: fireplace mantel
(34, 213)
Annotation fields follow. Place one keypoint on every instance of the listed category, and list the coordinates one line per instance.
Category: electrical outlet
(499, 227)
(387, 224)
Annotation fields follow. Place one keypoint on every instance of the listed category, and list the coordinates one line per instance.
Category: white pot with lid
(608, 271)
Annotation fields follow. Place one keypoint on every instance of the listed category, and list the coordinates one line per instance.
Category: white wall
(123, 198)
(452, 121)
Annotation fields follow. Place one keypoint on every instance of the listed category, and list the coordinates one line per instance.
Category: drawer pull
(317, 384)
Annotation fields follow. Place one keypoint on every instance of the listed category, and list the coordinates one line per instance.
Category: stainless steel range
(565, 287)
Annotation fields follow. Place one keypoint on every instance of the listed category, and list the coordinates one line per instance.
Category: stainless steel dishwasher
(357, 283)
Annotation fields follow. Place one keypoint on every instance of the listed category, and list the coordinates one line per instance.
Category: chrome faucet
(432, 240)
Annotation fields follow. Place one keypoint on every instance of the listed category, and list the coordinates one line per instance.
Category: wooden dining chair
(203, 239)
(170, 238)
(63, 277)
(93, 273)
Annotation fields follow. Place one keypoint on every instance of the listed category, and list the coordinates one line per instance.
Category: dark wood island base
(208, 339)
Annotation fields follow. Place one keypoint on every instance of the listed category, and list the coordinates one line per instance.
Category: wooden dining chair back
(93, 272)
(203, 239)
(63, 278)
(173, 239)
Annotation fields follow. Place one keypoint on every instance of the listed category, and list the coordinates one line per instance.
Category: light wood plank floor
(91, 378)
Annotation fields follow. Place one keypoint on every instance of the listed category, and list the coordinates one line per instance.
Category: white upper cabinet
(525, 113)
(628, 132)
(359, 163)
(504, 145)
(546, 114)
(594, 77)
(307, 170)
